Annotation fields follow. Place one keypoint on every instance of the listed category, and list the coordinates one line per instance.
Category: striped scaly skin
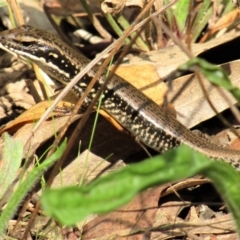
(148, 122)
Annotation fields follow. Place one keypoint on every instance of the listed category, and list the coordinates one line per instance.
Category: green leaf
(10, 163)
(180, 11)
(177, 15)
(2, 3)
(72, 204)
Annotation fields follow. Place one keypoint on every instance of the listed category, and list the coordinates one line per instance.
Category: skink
(152, 125)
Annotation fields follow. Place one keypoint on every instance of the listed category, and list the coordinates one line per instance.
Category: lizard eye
(26, 44)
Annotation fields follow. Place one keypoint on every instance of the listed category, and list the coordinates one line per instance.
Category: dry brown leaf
(11, 75)
(191, 99)
(46, 131)
(10, 101)
(224, 22)
(13, 91)
(235, 144)
(167, 214)
(168, 59)
(222, 224)
(85, 167)
(146, 79)
(137, 215)
(32, 115)
(116, 6)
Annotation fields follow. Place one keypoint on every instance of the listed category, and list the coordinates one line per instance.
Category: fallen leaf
(223, 22)
(32, 115)
(116, 6)
(135, 216)
(176, 227)
(187, 96)
(146, 79)
(168, 59)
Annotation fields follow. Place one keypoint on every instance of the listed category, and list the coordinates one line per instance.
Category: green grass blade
(10, 163)
(26, 185)
(202, 18)
(228, 7)
(180, 11)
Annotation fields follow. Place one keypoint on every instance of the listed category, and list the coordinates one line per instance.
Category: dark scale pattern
(132, 109)
(137, 124)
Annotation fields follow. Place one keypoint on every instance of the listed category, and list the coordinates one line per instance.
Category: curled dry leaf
(32, 115)
(223, 23)
(116, 6)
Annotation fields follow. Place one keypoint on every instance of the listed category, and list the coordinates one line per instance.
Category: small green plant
(25, 186)
(72, 204)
